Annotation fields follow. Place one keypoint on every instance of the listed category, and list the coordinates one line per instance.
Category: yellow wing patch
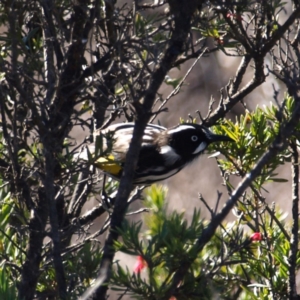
(109, 164)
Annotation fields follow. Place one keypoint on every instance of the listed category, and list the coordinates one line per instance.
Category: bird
(164, 151)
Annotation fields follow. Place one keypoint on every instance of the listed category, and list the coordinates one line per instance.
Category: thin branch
(259, 75)
(80, 194)
(201, 198)
(262, 199)
(236, 82)
(179, 85)
(270, 43)
(225, 106)
(98, 283)
(183, 59)
(50, 71)
(139, 211)
(239, 36)
(292, 286)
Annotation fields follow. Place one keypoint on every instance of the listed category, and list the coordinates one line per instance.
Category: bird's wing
(113, 142)
(118, 138)
(122, 135)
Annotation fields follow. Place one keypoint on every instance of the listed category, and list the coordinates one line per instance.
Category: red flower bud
(139, 265)
(256, 236)
(234, 16)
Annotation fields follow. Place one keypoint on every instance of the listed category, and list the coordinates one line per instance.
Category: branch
(259, 75)
(178, 87)
(80, 194)
(31, 266)
(71, 78)
(239, 74)
(280, 32)
(292, 287)
(50, 71)
(53, 216)
(225, 106)
(184, 58)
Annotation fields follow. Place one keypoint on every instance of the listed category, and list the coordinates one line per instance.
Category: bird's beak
(216, 137)
(219, 138)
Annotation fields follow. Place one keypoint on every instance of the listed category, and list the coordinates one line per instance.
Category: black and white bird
(164, 152)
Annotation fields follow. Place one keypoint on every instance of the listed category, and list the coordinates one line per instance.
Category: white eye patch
(200, 148)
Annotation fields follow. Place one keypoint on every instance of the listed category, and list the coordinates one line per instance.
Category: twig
(261, 198)
(139, 211)
(195, 54)
(259, 75)
(100, 280)
(280, 31)
(179, 85)
(80, 194)
(235, 83)
(206, 205)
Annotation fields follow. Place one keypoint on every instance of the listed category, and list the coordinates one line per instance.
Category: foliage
(82, 65)
(253, 269)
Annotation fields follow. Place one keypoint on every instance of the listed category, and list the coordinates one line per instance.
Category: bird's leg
(107, 201)
(105, 198)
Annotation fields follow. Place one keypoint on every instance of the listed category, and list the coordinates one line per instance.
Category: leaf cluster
(251, 270)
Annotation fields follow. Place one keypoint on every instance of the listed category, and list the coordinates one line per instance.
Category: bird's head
(190, 140)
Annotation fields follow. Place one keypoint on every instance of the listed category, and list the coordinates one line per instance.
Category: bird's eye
(194, 138)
